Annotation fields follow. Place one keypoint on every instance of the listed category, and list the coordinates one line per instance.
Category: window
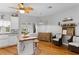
(5, 26)
(65, 32)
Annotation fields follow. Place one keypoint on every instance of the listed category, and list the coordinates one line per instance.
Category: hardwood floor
(8, 50)
(50, 49)
(45, 49)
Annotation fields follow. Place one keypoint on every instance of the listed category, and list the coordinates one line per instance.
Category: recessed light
(49, 6)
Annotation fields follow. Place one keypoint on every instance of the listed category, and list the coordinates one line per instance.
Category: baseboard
(9, 46)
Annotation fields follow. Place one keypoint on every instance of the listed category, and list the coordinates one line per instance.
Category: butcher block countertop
(29, 38)
(25, 38)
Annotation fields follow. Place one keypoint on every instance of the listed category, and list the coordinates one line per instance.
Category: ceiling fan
(22, 8)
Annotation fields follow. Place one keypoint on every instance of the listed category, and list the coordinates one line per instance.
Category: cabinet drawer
(4, 43)
(44, 36)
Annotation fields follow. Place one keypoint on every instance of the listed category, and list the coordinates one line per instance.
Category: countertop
(27, 38)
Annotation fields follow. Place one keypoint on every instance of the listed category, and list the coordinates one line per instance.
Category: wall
(49, 28)
(29, 20)
(58, 17)
(44, 27)
(14, 22)
(52, 20)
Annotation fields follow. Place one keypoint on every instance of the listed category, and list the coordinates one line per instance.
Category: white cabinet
(8, 41)
(14, 22)
(12, 40)
(26, 47)
(3, 43)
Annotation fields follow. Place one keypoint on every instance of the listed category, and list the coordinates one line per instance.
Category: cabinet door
(26, 47)
(4, 43)
(44, 36)
(12, 40)
(14, 22)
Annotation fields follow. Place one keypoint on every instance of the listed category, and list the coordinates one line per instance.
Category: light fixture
(25, 11)
(41, 23)
(21, 5)
(49, 6)
(22, 11)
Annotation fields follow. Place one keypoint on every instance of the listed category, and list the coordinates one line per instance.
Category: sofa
(74, 45)
(57, 40)
(66, 39)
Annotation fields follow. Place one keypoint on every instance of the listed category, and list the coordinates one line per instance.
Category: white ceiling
(40, 9)
(43, 10)
(5, 7)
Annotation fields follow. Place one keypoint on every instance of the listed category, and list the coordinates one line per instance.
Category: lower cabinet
(3, 43)
(26, 47)
(8, 41)
(12, 40)
(44, 36)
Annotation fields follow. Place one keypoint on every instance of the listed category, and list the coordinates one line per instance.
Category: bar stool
(36, 48)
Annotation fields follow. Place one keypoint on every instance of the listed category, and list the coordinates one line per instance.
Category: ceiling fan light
(21, 11)
(21, 5)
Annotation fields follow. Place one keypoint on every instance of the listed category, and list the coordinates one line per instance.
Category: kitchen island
(26, 45)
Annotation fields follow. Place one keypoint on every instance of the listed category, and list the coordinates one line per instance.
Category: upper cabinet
(14, 22)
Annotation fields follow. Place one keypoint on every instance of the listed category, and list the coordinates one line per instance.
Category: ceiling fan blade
(13, 7)
(21, 5)
(28, 8)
